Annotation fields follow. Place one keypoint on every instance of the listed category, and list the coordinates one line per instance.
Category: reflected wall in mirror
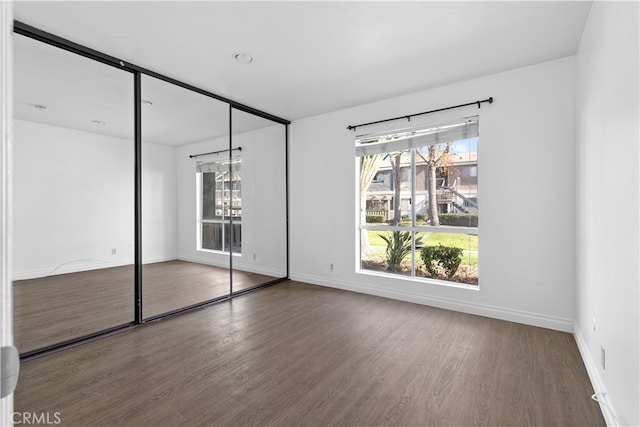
(182, 264)
(263, 254)
(73, 206)
(231, 205)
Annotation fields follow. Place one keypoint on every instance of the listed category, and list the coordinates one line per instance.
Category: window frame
(413, 228)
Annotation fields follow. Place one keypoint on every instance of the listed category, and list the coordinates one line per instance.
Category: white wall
(6, 141)
(526, 194)
(159, 211)
(608, 205)
(263, 202)
(73, 200)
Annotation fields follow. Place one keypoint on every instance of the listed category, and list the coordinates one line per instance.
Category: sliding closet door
(184, 202)
(258, 225)
(73, 196)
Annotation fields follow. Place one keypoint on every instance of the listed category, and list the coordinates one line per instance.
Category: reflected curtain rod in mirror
(191, 156)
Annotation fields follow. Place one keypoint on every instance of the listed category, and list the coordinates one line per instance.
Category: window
(220, 213)
(470, 171)
(379, 178)
(424, 223)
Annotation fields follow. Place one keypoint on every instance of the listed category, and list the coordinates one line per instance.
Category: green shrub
(446, 257)
(405, 218)
(375, 219)
(422, 217)
(398, 247)
(460, 220)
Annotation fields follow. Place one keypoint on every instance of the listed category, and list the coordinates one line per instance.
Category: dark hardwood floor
(53, 309)
(297, 354)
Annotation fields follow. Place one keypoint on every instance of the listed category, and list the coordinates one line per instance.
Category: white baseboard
(154, 260)
(76, 266)
(517, 316)
(69, 267)
(203, 261)
(267, 271)
(606, 407)
(250, 268)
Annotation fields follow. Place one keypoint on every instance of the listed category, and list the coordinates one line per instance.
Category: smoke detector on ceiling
(243, 58)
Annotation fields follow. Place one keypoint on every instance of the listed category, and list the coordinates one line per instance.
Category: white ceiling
(314, 57)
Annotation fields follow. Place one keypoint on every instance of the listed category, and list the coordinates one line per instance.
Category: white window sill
(421, 280)
(211, 251)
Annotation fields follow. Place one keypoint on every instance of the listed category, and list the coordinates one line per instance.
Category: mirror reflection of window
(221, 200)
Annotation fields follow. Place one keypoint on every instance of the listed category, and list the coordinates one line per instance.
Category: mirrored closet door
(73, 206)
(186, 198)
(259, 199)
(136, 196)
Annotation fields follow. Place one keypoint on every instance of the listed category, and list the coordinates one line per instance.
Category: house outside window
(431, 232)
(220, 213)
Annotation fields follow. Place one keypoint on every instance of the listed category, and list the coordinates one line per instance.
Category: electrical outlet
(254, 257)
(594, 324)
(602, 357)
(113, 251)
(331, 267)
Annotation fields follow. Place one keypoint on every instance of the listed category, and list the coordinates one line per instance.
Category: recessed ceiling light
(243, 58)
(39, 107)
(98, 122)
(147, 103)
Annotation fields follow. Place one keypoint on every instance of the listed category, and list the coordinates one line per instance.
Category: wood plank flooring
(53, 309)
(298, 354)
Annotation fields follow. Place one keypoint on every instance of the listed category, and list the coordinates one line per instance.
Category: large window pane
(467, 270)
(450, 172)
(218, 236)
(212, 236)
(385, 185)
(209, 193)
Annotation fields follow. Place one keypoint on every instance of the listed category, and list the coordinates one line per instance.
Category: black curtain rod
(408, 117)
(191, 156)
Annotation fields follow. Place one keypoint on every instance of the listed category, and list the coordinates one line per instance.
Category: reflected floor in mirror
(53, 309)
